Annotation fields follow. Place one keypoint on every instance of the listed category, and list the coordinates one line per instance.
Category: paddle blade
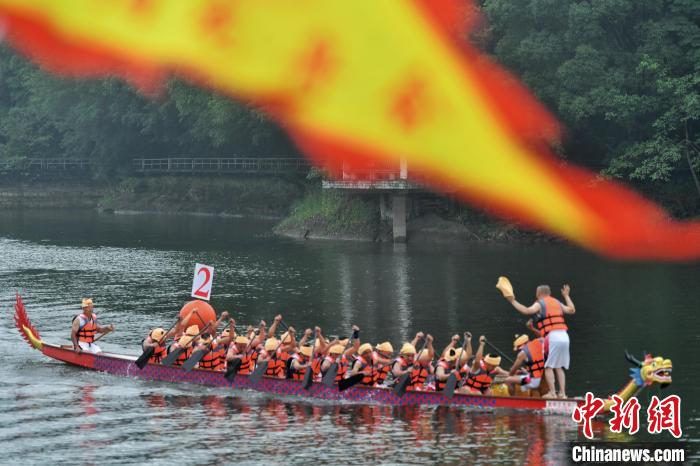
(232, 370)
(329, 377)
(450, 386)
(259, 371)
(400, 387)
(194, 359)
(142, 361)
(308, 378)
(344, 384)
(172, 356)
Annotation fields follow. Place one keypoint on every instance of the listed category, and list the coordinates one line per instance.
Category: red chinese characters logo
(586, 412)
(665, 415)
(624, 415)
(661, 414)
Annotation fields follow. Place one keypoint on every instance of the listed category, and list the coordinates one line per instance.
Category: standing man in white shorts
(548, 315)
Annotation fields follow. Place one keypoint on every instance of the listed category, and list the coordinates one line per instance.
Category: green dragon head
(651, 370)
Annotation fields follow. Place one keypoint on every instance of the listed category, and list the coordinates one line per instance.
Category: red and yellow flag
(359, 81)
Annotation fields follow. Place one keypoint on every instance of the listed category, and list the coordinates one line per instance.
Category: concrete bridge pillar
(399, 213)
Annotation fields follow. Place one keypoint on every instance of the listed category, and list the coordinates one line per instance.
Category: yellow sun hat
(241, 340)
(505, 287)
(86, 302)
(286, 338)
(492, 360)
(184, 340)
(424, 355)
(157, 334)
(336, 349)
(192, 330)
(460, 354)
(364, 348)
(386, 347)
(271, 344)
(407, 349)
(206, 339)
(343, 342)
(226, 332)
(520, 340)
(450, 355)
(305, 350)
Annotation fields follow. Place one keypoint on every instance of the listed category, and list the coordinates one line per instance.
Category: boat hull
(125, 366)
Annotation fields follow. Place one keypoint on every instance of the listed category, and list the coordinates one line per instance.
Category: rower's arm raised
(569, 307)
(479, 353)
(528, 311)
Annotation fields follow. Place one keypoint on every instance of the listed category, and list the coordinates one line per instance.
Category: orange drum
(205, 313)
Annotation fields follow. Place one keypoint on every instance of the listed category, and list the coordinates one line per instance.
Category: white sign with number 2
(201, 284)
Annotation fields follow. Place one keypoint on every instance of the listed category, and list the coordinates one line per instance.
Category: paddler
(531, 356)
(446, 365)
(548, 314)
(364, 364)
(156, 340)
(483, 371)
(383, 358)
(301, 361)
(422, 368)
(404, 361)
(84, 328)
(336, 353)
(207, 341)
(185, 341)
(246, 350)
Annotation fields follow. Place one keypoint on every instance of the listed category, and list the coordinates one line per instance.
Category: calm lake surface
(138, 269)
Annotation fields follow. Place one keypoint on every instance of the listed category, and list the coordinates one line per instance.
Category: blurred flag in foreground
(361, 81)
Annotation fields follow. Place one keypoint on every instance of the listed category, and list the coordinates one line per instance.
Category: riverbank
(303, 209)
(332, 215)
(258, 197)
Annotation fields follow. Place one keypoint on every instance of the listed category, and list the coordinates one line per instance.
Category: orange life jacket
(298, 374)
(220, 351)
(551, 316)
(184, 356)
(534, 357)
(480, 379)
(316, 366)
(440, 384)
(87, 327)
(367, 369)
(342, 366)
(159, 352)
(419, 375)
(248, 362)
(277, 364)
(382, 371)
(210, 361)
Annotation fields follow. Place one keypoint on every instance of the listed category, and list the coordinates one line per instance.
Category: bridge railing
(44, 164)
(221, 165)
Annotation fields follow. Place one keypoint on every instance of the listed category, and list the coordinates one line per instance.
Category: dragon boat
(652, 370)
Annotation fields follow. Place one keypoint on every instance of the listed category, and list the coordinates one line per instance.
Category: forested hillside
(623, 76)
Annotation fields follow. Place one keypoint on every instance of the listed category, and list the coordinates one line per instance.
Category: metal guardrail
(44, 164)
(222, 165)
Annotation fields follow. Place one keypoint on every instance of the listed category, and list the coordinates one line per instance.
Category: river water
(138, 269)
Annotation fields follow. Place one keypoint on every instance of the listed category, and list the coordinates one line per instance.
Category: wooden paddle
(142, 360)
(503, 355)
(344, 384)
(451, 382)
(400, 387)
(173, 355)
(309, 373)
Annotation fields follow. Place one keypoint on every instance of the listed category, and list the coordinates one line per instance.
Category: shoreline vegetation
(301, 208)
